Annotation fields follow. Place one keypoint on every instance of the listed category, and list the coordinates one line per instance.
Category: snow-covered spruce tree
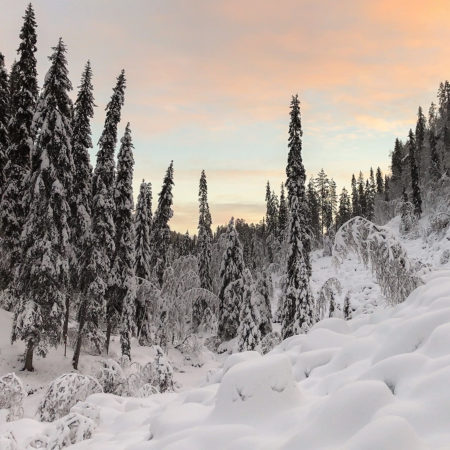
(12, 209)
(248, 332)
(261, 295)
(370, 192)
(103, 193)
(297, 302)
(362, 195)
(435, 162)
(397, 169)
(43, 276)
(95, 263)
(356, 210)
(420, 139)
(4, 119)
(347, 307)
(122, 279)
(408, 219)
(379, 182)
(81, 194)
(204, 250)
(232, 284)
(282, 214)
(417, 198)
(142, 250)
(345, 209)
(160, 233)
(149, 199)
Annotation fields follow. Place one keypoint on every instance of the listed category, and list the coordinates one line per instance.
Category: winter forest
(324, 325)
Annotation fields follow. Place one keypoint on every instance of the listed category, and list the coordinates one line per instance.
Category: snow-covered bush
(158, 373)
(439, 222)
(380, 251)
(111, 377)
(65, 392)
(69, 430)
(147, 390)
(269, 341)
(445, 257)
(326, 302)
(408, 220)
(87, 410)
(12, 394)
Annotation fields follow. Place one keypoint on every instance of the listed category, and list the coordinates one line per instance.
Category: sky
(210, 81)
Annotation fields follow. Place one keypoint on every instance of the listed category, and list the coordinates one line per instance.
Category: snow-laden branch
(380, 251)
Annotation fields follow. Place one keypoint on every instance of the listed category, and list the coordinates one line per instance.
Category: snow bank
(380, 381)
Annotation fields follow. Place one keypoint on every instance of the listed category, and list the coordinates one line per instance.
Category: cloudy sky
(209, 83)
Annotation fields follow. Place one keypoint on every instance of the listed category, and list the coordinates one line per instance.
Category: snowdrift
(380, 381)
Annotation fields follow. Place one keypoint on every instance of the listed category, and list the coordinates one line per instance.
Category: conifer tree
(282, 214)
(314, 212)
(356, 209)
(271, 212)
(362, 195)
(13, 83)
(43, 276)
(345, 211)
(232, 284)
(160, 233)
(248, 332)
(297, 307)
(81, 194)
(95, 264)
(12, 208)
(369, 195)
(149, 197)
(122, 280)
(397, 167)
(387, 183)
(204, 235)
(417, 199)
(420, 138)
(380, 185)
(142, 233)
(4, 119)
(435, 163)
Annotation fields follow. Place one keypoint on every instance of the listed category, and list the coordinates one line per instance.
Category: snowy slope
(379, 381)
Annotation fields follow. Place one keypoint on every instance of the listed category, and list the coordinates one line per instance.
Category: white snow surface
(380, 381)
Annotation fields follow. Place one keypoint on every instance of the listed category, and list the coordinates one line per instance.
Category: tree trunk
(29, 357)
(108, 333)
(66, 324)
(82, 320)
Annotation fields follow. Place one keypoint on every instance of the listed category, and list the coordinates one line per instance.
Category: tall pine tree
(232, 284)
(416, 196)
(282, 214)
(297, 307)
(43, 277)
(122, 280)
(12, 208)
(204, 235)
(160, 233)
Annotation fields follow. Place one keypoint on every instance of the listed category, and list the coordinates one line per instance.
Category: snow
(377, 382)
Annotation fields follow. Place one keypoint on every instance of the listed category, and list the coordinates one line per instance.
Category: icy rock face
(255, 390)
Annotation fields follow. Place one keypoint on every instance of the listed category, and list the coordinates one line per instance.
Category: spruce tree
(435, 162)
(356, 208)
(204, 235)
(282, 214)
(380, 185)
(345, 211)
(387, 187)
(13, 84)
(160, 233)
(397, 167)
(95, 263)
(248, 331)
(232, 284)
(362, 201)
(142, 233)
(297, 303)
(13, 211)
(43, 276)
(122, 279)
(81, 195)
(149, 197)
(420, 138)
(271, 212)
(4, 119)
(370, 192)
(314, 212)
(416, 196)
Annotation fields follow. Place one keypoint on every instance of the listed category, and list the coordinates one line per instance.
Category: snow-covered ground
(379, 381)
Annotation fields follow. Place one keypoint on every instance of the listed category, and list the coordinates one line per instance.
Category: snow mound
(377, 382)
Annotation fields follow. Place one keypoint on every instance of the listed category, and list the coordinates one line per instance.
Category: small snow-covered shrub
(147, 390)
(445, 257)
(65, 392)
(69, 430)
(111, 377)
(326, 302)
(269, 341)
(12, 394)
(159, 372)
(439, 222)
(408, 220)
